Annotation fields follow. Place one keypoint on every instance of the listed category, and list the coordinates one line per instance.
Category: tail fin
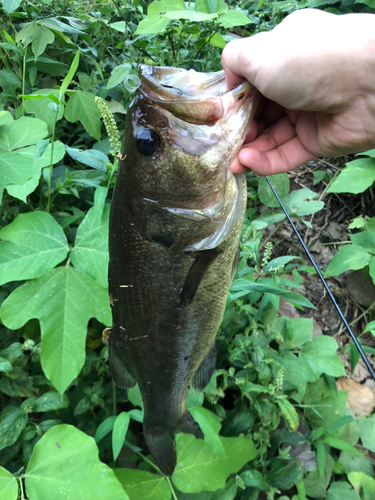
(160, 441)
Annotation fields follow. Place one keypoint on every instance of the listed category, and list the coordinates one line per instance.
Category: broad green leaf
(104, 428)
(9, 77)
(367, 432)
(51, 401)
(281, 184)
(41, 109)
(210, 426)
(91, 157)
(63, 300)
(296, 202)
(119, 74)
(5, 365)
(22, 132)
(118, 26)
(210, 6)
(218, 41)
(55, 24)
(11, 427)
(191, 15)
(360, 480)
(315, 483)
(372, 268)
(342, 491)
(160, 6)
(233, 18)
(26, 161)
(349, 257)
(30, 246)
(90, 253)
(199, 468)
(287, 476)
(69, 77)
(152, 25)
(82, 107)
(140, 484)
(357, 176)
(65, 464)
(365, 240)
(120, 428)
(10, 5)
(5, 117)
(8, 485)
(319, 356)
(280, 261)
(352, 463)
(38, 35)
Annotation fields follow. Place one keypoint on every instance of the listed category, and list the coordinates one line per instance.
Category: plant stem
(23, 82)
(171, 488)
(51, 159)
(272, 233)
(20, 481)
(355, 320)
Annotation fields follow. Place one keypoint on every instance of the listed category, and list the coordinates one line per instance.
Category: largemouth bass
(175, 224)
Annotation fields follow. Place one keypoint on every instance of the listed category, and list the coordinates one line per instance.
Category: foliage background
(275, 425)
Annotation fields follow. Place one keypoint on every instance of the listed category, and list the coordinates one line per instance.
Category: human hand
(316, 73)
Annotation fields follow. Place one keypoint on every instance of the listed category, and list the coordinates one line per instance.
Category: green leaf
(104, 428)
(367, 432)
(210, 426)
(356, 177)
(51, 401)
(22, 132)
(11, 427)
(352, 463)
(90, 253)
(160, 6)
(286, 477)
(7, 76)
(152, 25)
(340, 444)
(65, 464)
(63, 300)
(280, 261)
(69, 77)
(348, 257)
(319, 356)
(120, 429)
(41, 109)
(296, 203)
(315, 483)
(5, 365)
(90, 157)
(365, 240)
(22, 190)
(200, 468)
(233, 18)
(82, 107)
(118, 26)
(243, 287)
(31, 245)
(210, 6)
(281, 184)
(191, 15)
(342, 490)
(360, 480)
(118, 75)
(372, 268)
(11, 5)
(8, 485)
(38, 35)
(143, 485)
(289, 413)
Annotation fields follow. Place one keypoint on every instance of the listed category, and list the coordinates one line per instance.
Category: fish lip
(151, 85)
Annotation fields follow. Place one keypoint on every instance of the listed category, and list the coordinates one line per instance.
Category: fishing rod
(356, 343)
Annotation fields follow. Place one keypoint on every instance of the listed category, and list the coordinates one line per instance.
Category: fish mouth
(198, 98)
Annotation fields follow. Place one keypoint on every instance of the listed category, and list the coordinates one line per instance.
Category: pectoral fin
(198, 269)
(205, 371)
(120, 374)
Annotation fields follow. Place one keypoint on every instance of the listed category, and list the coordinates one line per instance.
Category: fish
(174, 230)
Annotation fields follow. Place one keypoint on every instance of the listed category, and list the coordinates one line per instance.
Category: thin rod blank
(356, 343)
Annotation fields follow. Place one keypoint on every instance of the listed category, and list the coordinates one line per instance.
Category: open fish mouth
(198, 98)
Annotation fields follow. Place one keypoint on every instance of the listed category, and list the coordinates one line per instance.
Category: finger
(276, 135)
(286, 157)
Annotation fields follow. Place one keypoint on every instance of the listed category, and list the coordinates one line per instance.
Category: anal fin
(198, 269)
(205, 371)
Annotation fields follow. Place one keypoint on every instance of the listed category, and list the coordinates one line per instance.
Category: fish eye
(148, 142)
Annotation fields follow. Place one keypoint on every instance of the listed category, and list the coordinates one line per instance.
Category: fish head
(183, 128)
